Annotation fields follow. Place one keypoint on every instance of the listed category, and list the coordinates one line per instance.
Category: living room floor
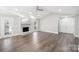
(77, 42)
(39, 42)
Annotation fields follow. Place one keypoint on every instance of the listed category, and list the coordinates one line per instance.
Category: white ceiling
(64, 9)
(31, 10)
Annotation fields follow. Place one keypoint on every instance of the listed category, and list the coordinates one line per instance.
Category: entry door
(67, 25)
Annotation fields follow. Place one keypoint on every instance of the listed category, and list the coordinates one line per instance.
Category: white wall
(67, 25)
(77, 26)
(49, 24)
(0, 27)
(17, 26)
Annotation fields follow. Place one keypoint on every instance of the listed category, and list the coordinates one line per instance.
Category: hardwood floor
(77, 43)
(39, 42)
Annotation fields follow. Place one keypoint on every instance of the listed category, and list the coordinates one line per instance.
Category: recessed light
(16, 9)
(33, 17)
(59, 10)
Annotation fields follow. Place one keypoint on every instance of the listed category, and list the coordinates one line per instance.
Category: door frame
(59, 19)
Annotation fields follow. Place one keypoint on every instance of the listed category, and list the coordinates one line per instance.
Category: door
(67, 25)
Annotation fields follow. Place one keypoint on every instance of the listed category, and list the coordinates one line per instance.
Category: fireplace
(25, 29)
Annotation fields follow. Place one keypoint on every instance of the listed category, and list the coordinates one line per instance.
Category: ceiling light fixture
(59, 10)
(33, 17)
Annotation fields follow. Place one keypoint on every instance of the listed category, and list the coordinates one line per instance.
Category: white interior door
(67, 25)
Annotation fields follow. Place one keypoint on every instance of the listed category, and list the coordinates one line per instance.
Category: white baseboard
(23, 33)
(5, 36)
(50, 32)
(76, 35)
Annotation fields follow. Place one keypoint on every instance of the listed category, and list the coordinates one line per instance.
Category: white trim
(23, 33)
(5, 36)
(76, 35)
(50, 32)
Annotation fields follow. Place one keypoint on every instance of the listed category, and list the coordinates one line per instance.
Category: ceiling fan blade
(37, 8)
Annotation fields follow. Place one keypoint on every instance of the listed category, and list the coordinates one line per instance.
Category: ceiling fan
(39, 9)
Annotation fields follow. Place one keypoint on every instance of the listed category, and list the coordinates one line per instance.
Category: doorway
(66, 25)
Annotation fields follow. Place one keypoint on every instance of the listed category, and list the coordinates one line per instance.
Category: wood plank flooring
(39, 42)
(77, 43)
